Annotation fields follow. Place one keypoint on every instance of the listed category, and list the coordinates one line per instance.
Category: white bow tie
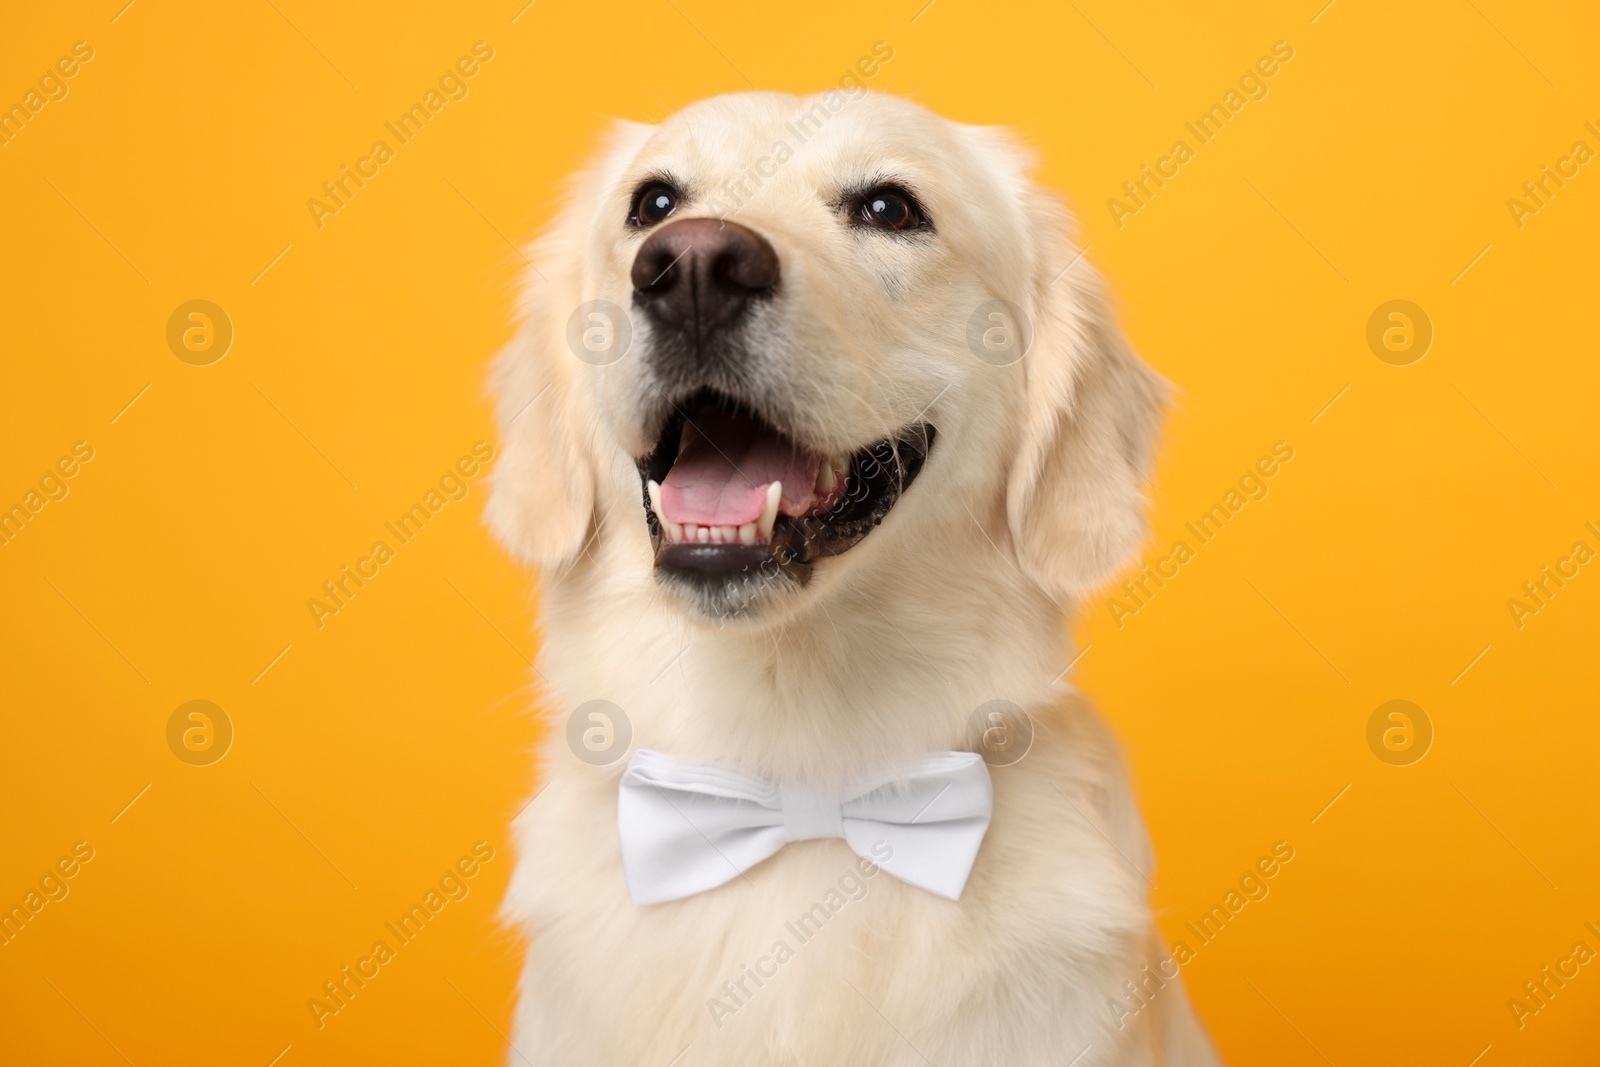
(688, 827)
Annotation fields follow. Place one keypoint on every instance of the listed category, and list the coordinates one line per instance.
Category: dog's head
(776, 342)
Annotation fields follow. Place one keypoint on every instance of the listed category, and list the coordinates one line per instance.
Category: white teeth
(673, 530)
(690, 533)
(719, 535)
(769, 511)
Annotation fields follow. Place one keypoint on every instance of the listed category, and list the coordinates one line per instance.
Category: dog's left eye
(889, 207)
(654, 202)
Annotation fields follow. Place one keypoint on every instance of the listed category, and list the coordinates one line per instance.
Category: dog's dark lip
(713, 559)
(879, 475)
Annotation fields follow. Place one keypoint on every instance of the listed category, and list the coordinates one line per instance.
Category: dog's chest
(816, 957)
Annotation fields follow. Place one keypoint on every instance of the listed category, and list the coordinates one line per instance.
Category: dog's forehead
(838, 134)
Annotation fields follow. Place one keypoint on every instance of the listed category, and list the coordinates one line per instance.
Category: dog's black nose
(698, 274)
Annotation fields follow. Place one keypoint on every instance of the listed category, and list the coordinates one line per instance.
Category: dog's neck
(887, 663)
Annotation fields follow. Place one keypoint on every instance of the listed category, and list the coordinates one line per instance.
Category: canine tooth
(769, 512)
(827, 477)
(747, 534)
(687, 437)
(673, 530)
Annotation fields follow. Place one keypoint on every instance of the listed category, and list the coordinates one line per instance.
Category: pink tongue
(722, 477)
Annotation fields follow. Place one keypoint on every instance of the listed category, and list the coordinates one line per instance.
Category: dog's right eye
(889, 207)
(653, 203)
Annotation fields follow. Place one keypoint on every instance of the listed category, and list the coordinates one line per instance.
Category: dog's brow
(862, 186)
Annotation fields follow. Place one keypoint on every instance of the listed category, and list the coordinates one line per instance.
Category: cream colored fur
(1031, 496)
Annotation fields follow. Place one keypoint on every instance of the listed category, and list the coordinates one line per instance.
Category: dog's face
(776, 341)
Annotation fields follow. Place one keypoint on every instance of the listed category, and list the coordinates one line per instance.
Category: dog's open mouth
(725, 491)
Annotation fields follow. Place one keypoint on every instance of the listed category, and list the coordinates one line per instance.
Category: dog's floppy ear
(542, 490)
(542, 496)
(1075, 500)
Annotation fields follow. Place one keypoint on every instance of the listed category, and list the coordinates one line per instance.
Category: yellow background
(376, 750)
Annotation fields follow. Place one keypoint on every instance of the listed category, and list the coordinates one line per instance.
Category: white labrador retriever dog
(816, 423)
